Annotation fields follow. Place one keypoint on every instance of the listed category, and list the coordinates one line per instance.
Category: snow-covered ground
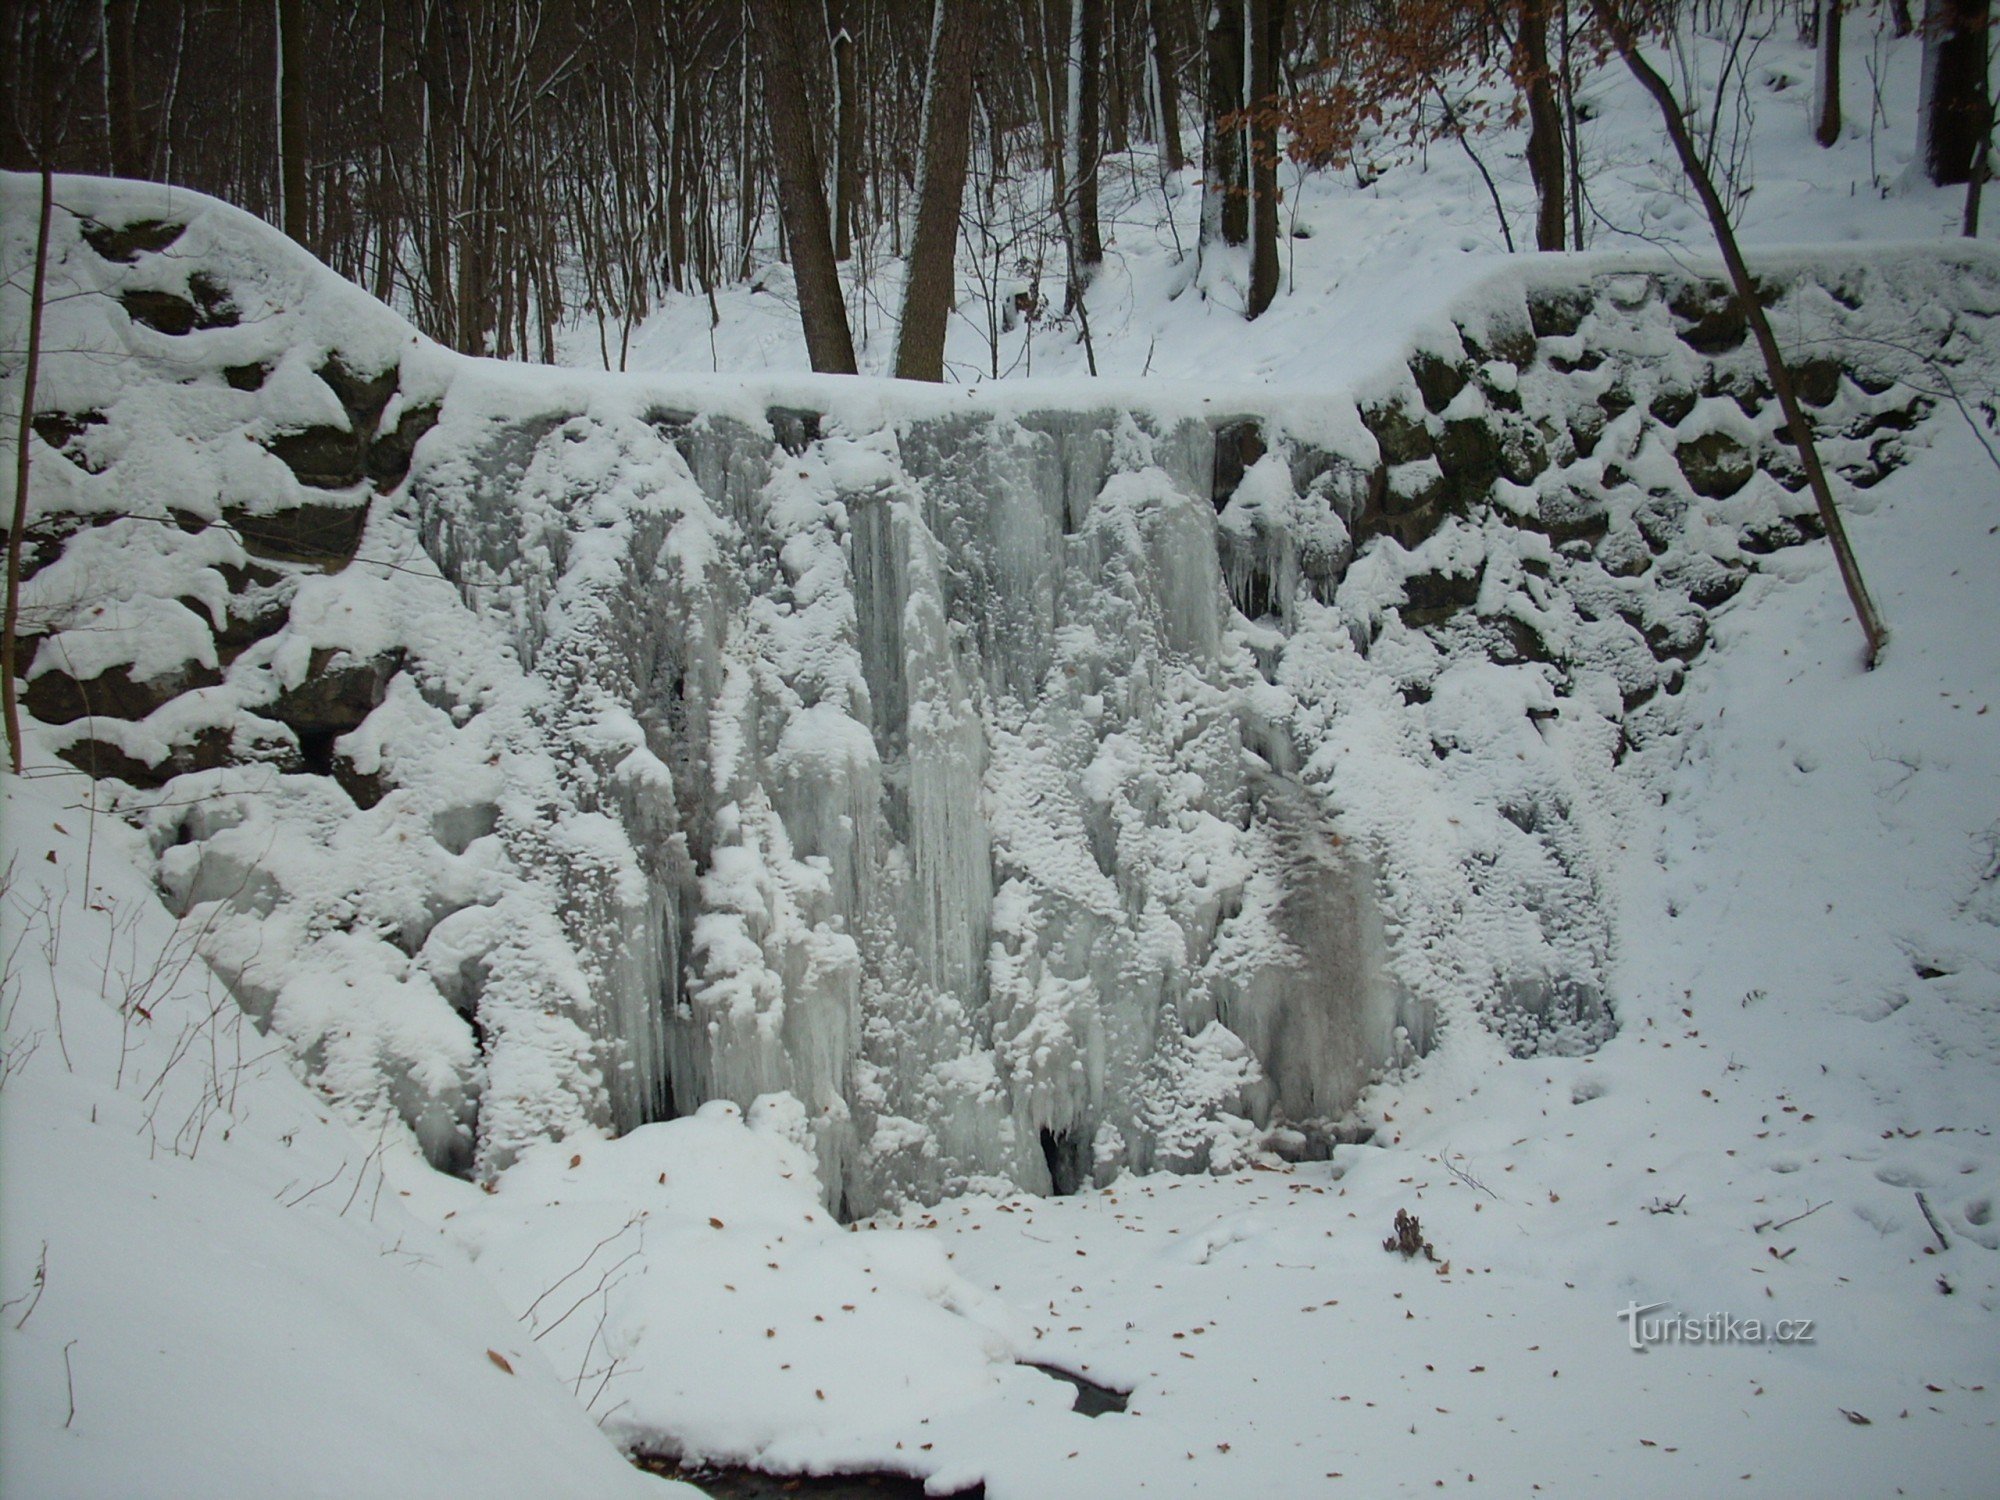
(1360, 263)
(213, 1286)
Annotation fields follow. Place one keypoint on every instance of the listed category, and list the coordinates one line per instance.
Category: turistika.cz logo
(1647, 1325)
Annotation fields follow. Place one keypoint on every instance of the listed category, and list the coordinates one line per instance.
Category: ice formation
(1033, 783)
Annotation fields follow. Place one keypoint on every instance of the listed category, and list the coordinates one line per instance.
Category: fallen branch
(1931, 1219)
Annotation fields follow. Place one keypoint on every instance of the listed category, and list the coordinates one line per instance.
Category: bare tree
(1952, 102)
(801, 200)
(1624, 37)
(956, 32)
(1826, 82)
(1264, 28)
(10, 630)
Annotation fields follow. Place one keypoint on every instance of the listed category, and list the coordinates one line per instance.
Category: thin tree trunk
(129, 149)
(1226, 204)
(1264, 26)
(1826, 129)
(10, 632)
(1760, 326)
(1545, 132)
(801, 199)
(1086, 129)
(927, 297)
(291, 62)
(1166, 93)
(846, 131)
(1952, 109)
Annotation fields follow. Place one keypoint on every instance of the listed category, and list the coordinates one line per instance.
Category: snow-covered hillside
(757, 911)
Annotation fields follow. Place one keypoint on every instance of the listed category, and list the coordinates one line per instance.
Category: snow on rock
(1031, 788)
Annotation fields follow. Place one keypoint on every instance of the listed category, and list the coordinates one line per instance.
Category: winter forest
(961, 748)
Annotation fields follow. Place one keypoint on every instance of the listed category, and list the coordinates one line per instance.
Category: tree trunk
(1545, 130)
(846, 131)
(1085, 126)
(801, 199)
(1160, 58)
(1225, 208)
(1760, 326)
(10, 637)
(130, 151)
(1264, 26)
(956, 35)
(1826, 127)
(291, 65)
(1951, 113)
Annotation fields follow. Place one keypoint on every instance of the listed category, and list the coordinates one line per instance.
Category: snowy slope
(211, 1289)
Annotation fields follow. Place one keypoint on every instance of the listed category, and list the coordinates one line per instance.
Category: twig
(1466, 1177)
(1815, 1208)
(1931, 1219)
(69, 1380)
(41, 1281)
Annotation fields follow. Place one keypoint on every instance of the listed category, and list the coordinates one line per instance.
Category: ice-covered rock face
(962, 811)
(1030, 782)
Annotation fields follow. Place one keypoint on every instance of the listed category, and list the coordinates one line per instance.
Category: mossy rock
(58, 698)
(1438, 380)
(361, 396)
(1817, 381)
(795, 428)
(1557, 315)
(323, 457)
(1523, 456)
(1716, 465)
(1432, 597)
(1671, 407)
(389, 455)
(1239, 443)
(323, 535)
(1402, 436)
(125, 243)
(1712, 320)
(1469, 454)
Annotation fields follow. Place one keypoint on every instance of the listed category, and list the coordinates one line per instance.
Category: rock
(1670, 407)
(249, 377)
(1716, 465)
(1571, 514)
(1438, 380)
(126, 243)
(389, 455)
(1431, 597)
(324, 535)
(208, 749)
(1817, 380)
(1239, 443)
(1660, 519)
(1469, 454)
(794, 427)
(1557, 315)
(163, 312)
(1766, 537)
(338, 692)
(1524, 457)
(361, 396)
(57, 698)
(1714, 324)
(1622, 552)
(1586, 426)
(326, 458)
(1402, 437)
